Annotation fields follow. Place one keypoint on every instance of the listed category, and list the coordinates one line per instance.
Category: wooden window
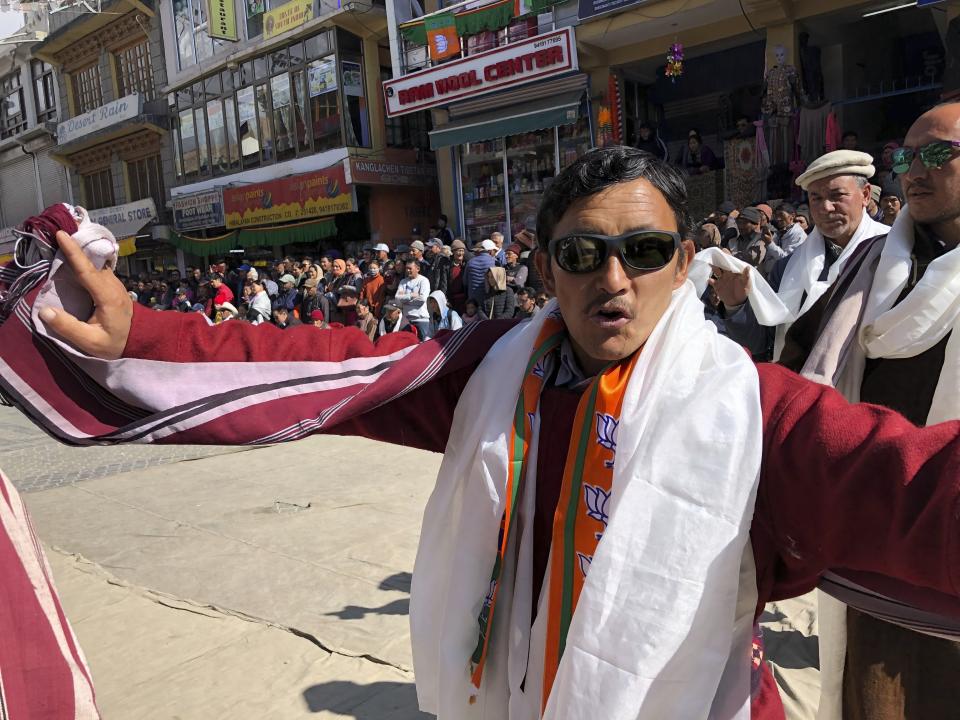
(146, 179)
(134, 71)
(98, 189)
(44, 90)
(14, 117)
(87, 92)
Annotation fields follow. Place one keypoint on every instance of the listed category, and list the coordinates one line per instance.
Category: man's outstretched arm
(854, 488)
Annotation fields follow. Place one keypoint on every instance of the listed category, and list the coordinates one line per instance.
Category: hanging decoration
(675, 62)
(492, 17)
(616, 109)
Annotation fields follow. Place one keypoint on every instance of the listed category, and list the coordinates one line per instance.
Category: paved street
(35, 461)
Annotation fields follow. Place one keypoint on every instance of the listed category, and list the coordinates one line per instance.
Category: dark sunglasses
(933, 155)
(640, 250)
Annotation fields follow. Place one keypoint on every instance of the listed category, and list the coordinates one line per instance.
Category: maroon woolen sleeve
(420, 419)
(853, 487)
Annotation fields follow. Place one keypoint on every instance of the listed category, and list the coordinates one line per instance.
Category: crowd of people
(421, 287)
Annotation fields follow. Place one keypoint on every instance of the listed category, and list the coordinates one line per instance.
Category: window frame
(86, 88)
(137, 56)
(11, 85)
(40, 81)
(99, 176)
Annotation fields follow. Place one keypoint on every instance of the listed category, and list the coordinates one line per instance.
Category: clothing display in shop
(781, 98)
(812, 137)
(810, 69)
(741, 173)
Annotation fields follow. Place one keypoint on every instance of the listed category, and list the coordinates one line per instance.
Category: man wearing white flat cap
(839, 194)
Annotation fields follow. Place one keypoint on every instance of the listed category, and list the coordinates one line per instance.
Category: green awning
(292, 234)
(562, 109)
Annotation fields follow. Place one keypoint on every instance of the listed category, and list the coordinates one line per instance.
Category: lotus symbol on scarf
(596, 499)
(607, 434)
(585, 561)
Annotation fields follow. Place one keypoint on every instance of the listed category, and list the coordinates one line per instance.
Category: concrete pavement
(271, 583)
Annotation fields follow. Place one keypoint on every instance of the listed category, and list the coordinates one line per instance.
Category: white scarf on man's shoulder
(658, 630)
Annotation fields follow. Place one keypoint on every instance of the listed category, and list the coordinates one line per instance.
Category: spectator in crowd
(401, 254)
(225, 311)
(476, 269)
(346, 310)
(444, 234)
(354, 276)
(312, 299)
(441, 317)
(499, 302)
(288, 297)
(745, 128)
(382, 253)
(873, 205)
(516, 272)
(526, 303)
(542, 299)
(338, 278)
(500, 257)
(393, 319)
(412, 294)
(456, 287)
(317, 319)
(182, 300)
(195, 278)
(696, 157)
(440, 265)
(472, 312)
(885, 177)
(803, 219)
(283, 319)
(296, 270)
(326, 269)
(416, 251)
(789, 237)
(890, 207)
(392, 275)
(528, 239)
(850, 141)
(366, 320)
(707, 236)
(373, 290)
(724, 217)
(748, 245)
(259, 307)
(649, 141)
(222, 293)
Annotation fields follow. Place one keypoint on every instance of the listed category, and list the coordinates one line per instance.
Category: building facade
(30, 177)
(113, 136)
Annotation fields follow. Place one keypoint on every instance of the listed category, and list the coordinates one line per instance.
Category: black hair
(788, 208)
(412, 261)
(849, 133)
(604, 167)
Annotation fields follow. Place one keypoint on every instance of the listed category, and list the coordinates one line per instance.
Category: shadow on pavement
(377, 701)
(355, 612)
(398, 581)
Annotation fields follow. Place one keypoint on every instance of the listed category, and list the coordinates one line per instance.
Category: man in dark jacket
(440, 265)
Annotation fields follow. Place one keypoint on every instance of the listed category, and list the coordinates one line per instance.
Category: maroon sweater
(845, 487)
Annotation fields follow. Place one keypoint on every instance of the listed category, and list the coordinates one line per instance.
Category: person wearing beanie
(516, 271)
(749, 244)
(456, 286)
(890, 206)
(317, 318)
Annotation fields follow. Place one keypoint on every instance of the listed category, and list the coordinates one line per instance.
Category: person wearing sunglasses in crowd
(838, 196)
(623, 489)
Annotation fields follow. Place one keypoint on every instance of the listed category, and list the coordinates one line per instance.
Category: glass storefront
(503, 180)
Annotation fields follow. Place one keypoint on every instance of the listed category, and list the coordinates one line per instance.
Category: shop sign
(522, 62)
(370, 171)
(286, 17)
(223, 19)
(591, 8)
(125, 220)
(126, 108)
(198, 210)
(325, 192)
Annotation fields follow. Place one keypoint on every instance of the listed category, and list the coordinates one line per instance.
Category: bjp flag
(442, 36)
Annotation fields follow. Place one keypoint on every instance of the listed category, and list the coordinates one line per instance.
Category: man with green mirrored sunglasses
(934, 155)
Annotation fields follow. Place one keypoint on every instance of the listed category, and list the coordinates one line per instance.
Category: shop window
(358, 121)
(531, 166)
(14, 119)
(324, 104)
(300, 113)
(484, 192)
(44, 90)
(193, 41)
(188, 142)
(134, 71)
(223, 142)
(87, 90)
(230, 123)
(286, 143)
(267, 145)
(574, 139)
(249, 133)
(98, 189)
(202, 147)
(146, 179)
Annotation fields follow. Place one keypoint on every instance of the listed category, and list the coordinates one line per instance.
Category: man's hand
(766, 235)
(105, 334)
(731, 287)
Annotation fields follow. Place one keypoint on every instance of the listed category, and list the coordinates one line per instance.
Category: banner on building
(286, 17)
(325, 192)
(223, 19)
(540, 57)
(126, 220)
(383, 171)
(592, 8)
(197, 210)
(442, 38)
(126, 108)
